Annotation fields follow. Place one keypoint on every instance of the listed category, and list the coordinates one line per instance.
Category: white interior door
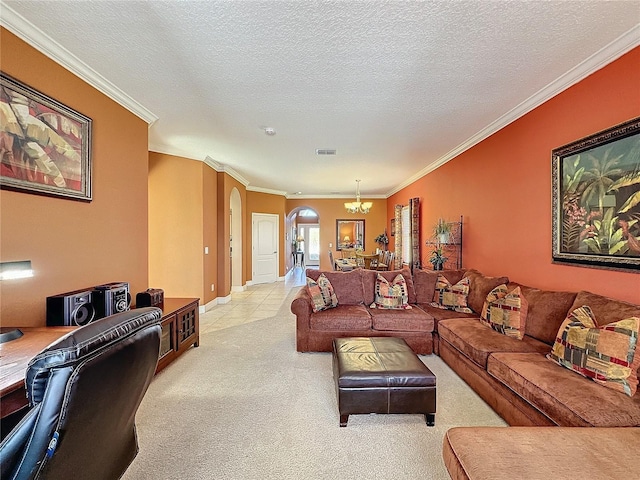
(265, 247)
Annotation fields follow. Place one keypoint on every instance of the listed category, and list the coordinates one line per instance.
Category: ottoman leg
(343, 420)
(430, 419)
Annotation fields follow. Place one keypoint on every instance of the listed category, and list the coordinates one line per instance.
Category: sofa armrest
(301, 308)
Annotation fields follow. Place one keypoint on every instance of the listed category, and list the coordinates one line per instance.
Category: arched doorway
(303, 233)
(235, 241)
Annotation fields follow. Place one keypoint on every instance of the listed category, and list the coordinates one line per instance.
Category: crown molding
(25, 30)
(351, 198)
(595, 62)
(172, 151)
(266, 190)
(221, 167)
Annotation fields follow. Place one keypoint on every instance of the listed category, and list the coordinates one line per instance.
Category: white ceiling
(397, 88)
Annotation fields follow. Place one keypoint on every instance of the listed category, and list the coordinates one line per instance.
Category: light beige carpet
(246, 405)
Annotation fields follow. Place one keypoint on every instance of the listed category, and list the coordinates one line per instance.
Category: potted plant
(437, 258)
(442, 230)
(382, 240)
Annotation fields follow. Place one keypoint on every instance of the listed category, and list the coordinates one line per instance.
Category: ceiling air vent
(325, 151)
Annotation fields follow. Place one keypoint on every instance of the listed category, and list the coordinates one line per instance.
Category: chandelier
(358, 206)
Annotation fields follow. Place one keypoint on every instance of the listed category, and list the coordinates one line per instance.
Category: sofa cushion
(477, 342)
(547, 310)
(480, 286)
(606, 354)
(566, 398)
(605, 309)
(343, 317)
(369, 283)
(414, 320)
(321, 293)
(424, 282)
(439, 314)
(346, 285)
(452, 297)
(505, 311)
(391, 296)
(481, 453)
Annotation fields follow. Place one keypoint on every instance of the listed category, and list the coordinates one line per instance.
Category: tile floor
(255, 303)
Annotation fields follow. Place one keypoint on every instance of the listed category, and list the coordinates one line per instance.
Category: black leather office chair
(84, 391)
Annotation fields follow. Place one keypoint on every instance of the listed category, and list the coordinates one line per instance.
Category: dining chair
(383, 263)
(333, 263)
(348, 252)
(365, 260)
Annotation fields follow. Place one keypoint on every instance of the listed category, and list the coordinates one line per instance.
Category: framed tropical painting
(596, 199)
(45, 146)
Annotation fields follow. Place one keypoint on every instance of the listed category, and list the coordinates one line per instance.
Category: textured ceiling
(394, 87)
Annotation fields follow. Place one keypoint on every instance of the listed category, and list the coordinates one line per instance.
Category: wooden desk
(180, 330)
(14, 357)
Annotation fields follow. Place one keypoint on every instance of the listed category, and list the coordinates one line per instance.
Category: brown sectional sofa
(354, 318)
(512, 376)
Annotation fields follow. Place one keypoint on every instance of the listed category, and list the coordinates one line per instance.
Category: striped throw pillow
(322, 294)
(392, 295)
(606, 354)
(451, 297)
(505, 312)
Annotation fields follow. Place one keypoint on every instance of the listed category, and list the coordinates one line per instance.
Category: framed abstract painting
(45, 145)
(596, 199)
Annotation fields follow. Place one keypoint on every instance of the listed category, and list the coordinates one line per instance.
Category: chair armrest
(13, 445)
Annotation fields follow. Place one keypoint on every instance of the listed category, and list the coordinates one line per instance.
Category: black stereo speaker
(111, 298)
(71, 308)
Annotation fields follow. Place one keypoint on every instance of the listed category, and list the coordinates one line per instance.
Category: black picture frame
(596, 199)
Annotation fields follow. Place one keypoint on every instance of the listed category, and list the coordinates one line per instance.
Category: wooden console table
(180, 330)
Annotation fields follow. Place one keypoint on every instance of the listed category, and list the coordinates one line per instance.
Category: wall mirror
(349, 234)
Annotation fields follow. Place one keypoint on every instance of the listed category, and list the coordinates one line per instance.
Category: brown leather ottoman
(381, 375)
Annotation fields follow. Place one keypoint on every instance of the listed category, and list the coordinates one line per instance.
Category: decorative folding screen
(398, 255)
(414, 205)
(411, 229)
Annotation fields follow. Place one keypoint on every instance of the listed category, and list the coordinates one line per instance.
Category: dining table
(345, 264)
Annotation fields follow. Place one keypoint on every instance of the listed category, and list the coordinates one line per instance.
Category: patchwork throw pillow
(606, 354)
(505, 312)
(322, 294)
(451, 297)
(394, 295)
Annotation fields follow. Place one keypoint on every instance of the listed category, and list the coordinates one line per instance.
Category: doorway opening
(303, 235)
(235, 240)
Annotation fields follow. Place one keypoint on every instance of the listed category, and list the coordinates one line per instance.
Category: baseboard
(208, 306)
(216, 301)
(223, 300)
(239, 288)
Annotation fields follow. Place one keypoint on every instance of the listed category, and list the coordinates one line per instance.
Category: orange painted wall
(73, 244)
(502, 186)
(210, 231)
(176, 233)
(329, 210)
(258, 202)
(225, 184)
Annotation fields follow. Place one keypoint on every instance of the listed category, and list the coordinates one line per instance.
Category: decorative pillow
(321, 293)
(392, 295)
(505, 312)
(606, 354)
(451, 297)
